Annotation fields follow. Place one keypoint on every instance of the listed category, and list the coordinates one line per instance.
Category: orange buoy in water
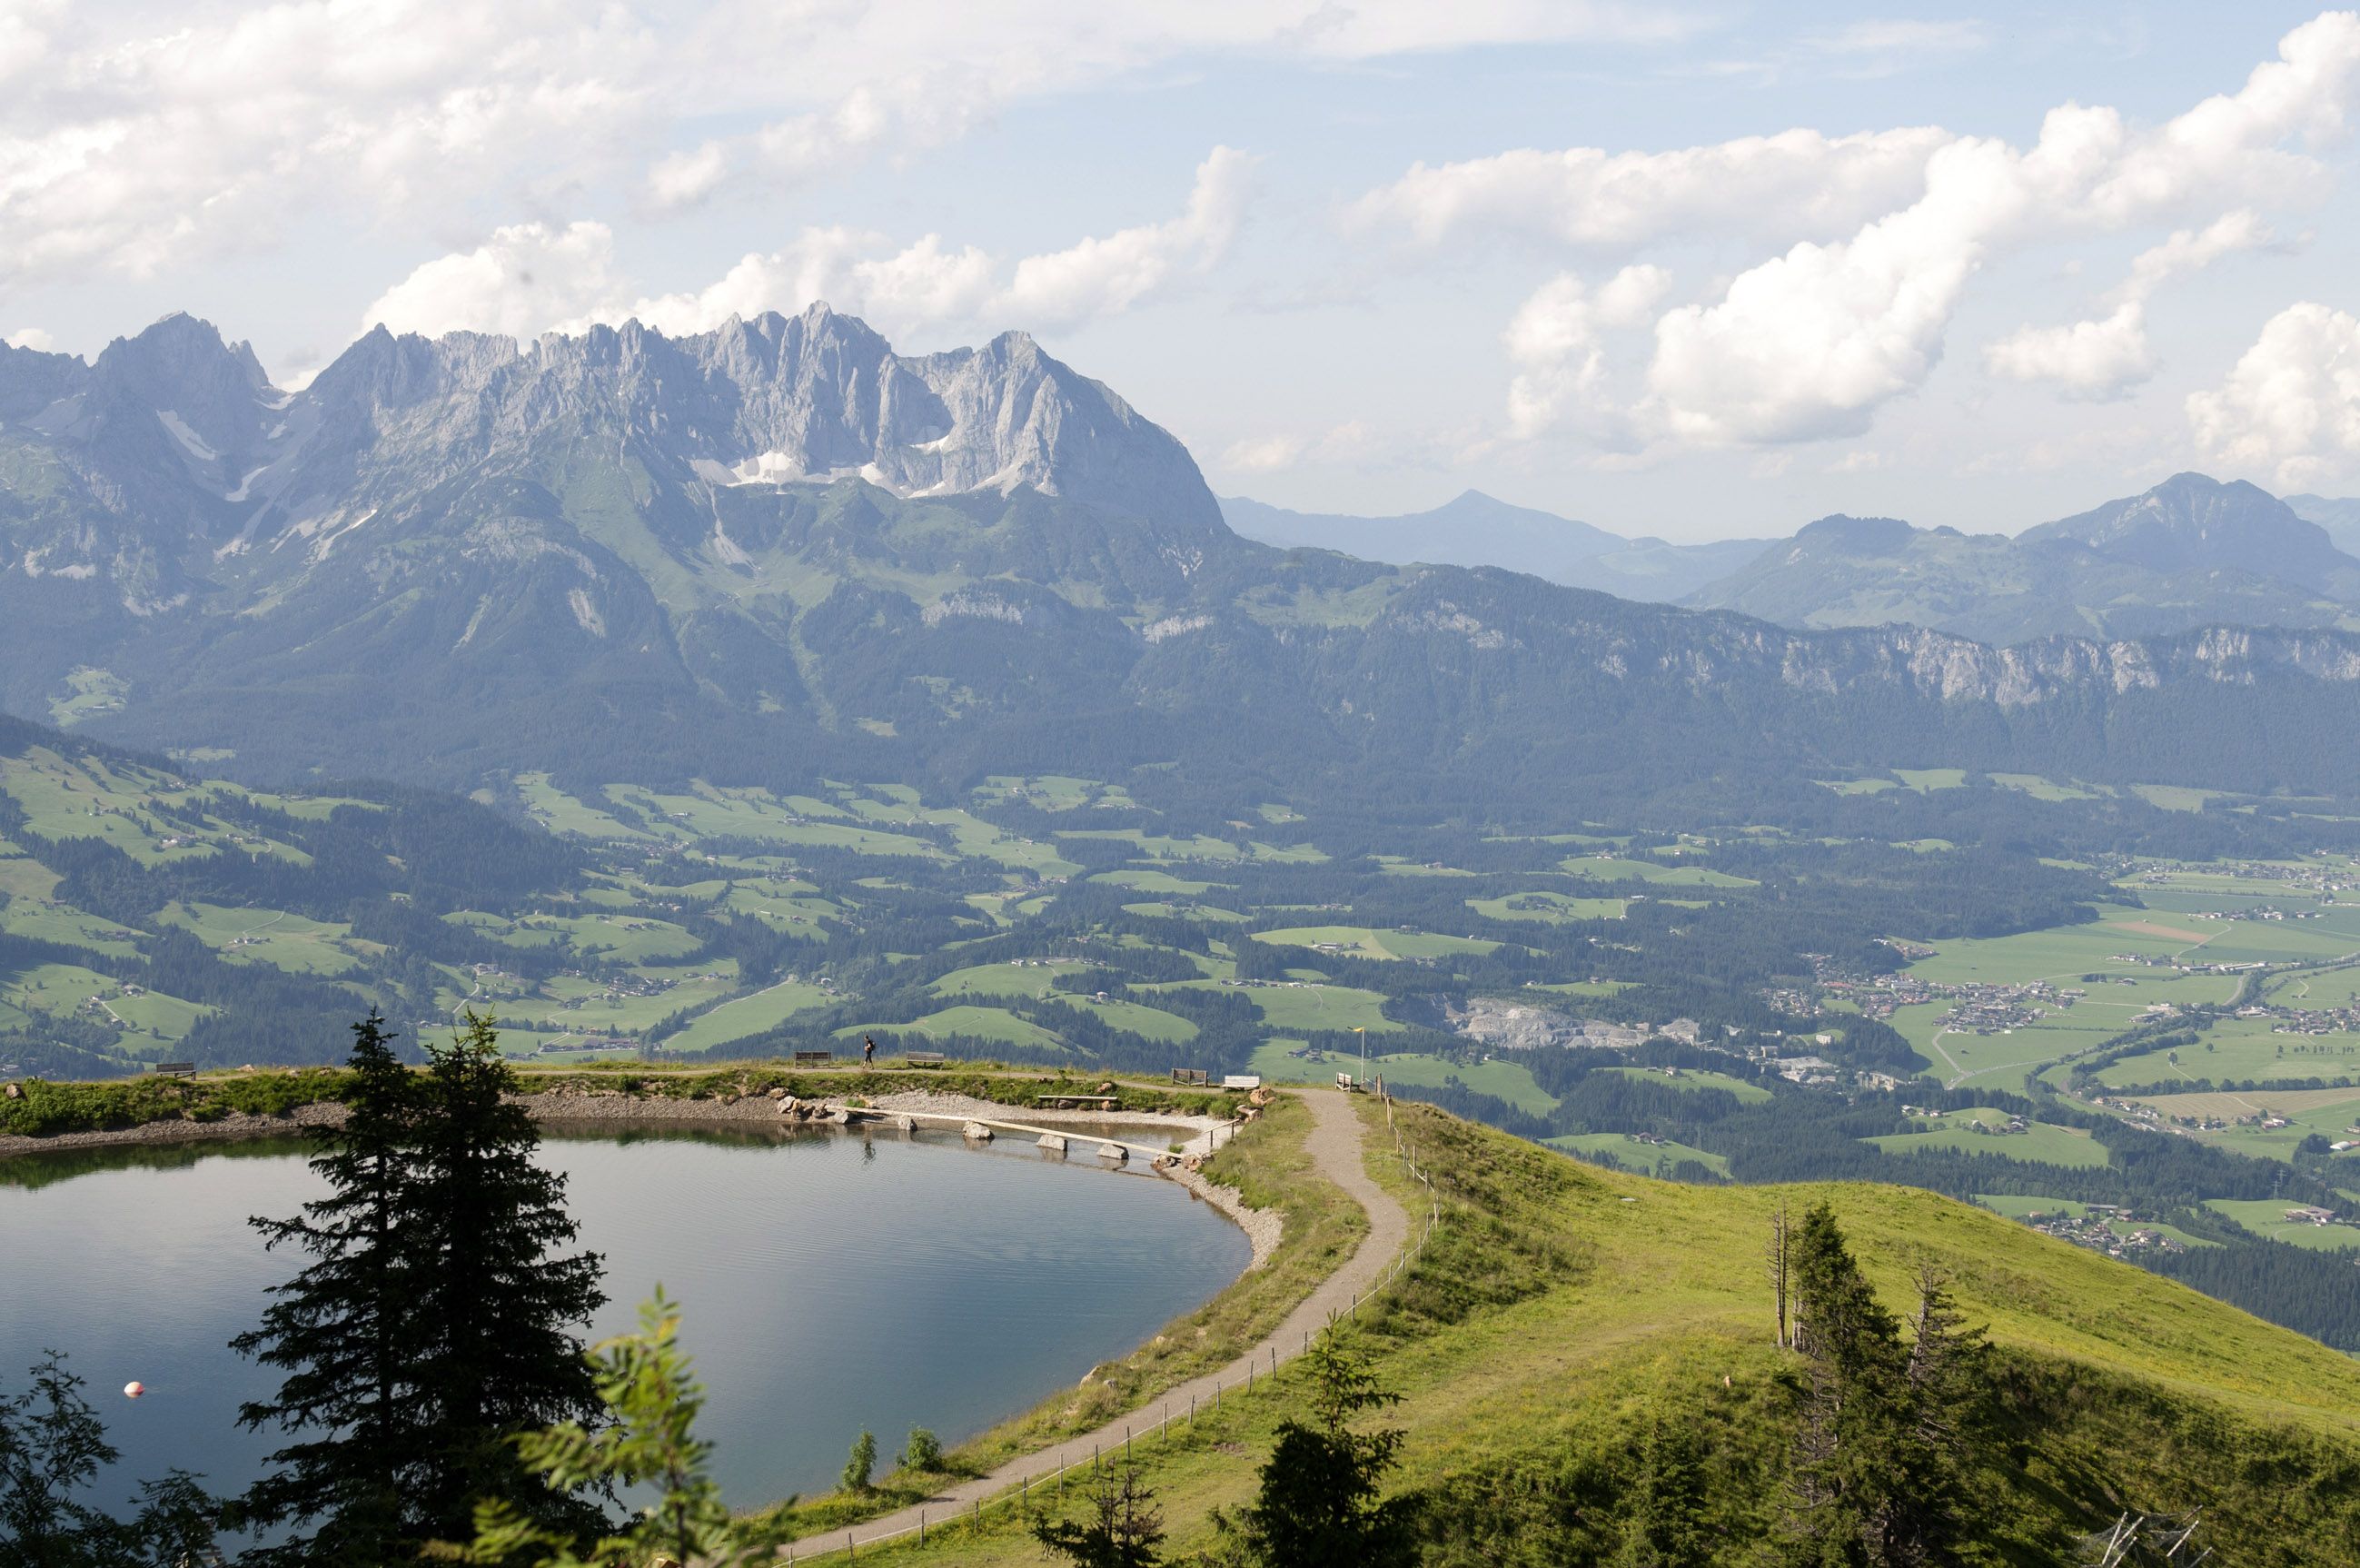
(134, 1389)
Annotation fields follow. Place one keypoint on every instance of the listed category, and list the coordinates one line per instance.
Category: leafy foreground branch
(52, 1447)
(653, 1399)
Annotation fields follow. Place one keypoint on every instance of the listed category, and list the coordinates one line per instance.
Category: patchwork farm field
(748, 1015)
(2116, 962)
(2326, 1114)
(574, 1004)
(1283, 1061)
(980, 1022)
(2018, 1206)
(1552, 908)
(1031, 980)
(1692, 1080)
(1502, 1080)
(2041, 1143)
(2267, 1217)
(2317, 989)
(272, 937)
(1610, 868)
(2003, 1059)
(2240, 1051)
(1628, 1153)
(1363, 942)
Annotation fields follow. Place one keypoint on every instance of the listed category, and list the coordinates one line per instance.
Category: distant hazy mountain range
(781, 549)
(1477, 531)
(2189, 552)
(2340, 518)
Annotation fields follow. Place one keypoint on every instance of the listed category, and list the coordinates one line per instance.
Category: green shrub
(923, 1451)
(860, 1468)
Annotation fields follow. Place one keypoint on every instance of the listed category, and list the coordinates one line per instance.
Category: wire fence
(813, 1548)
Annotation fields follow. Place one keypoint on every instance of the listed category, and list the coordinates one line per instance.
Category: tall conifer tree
(435, 1320)
(347, 1331)
(500, 1305)
(1880, 1467)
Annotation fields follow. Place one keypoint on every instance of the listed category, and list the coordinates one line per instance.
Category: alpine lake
(829, 1282)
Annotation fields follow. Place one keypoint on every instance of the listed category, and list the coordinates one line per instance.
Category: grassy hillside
(1563, 1311)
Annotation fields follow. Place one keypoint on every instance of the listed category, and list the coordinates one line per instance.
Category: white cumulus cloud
(2290, 406)
(137, 134)
(2106, 357)
(1352, 442)
(522, 280)
(31, 337)
(1102, 277)
(855, 270)
(1811, 343)
(532, 278)
(1557, 343)
(1791, 185)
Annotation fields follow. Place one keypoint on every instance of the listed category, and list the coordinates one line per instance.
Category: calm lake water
(829, 1282)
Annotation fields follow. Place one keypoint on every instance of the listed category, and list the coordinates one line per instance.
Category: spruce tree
(498, 1304)
(1318, 1506)
(433, 1320)
(1122, 1529)
(347, 1331)
(1944, 1390)
(1840, 1481)
(1661, 1522)
(1881, 1462)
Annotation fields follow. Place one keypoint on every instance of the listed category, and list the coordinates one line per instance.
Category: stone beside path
(1336, 1145)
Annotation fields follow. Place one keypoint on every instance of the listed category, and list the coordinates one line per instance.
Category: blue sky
(1688, 270)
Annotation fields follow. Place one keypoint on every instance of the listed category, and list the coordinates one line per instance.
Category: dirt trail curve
(1336, 1145)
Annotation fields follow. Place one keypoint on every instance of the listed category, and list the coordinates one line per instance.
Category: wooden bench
(1078, 1102)
(1192, 1077)
(176, 1070)
(814, 1059)
(926, 1059)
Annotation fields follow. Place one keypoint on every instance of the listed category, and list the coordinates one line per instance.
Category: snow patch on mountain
(188, 438)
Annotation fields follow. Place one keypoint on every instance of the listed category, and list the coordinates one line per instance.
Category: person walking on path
(867, 1051)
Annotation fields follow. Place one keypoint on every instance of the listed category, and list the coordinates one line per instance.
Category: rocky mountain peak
(209, 396)
(2195, 522)
(773, 400)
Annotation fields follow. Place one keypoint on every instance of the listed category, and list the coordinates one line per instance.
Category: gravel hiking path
(1336, 1144)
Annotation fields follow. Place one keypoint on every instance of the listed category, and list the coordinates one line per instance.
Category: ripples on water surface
(829, 1283)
